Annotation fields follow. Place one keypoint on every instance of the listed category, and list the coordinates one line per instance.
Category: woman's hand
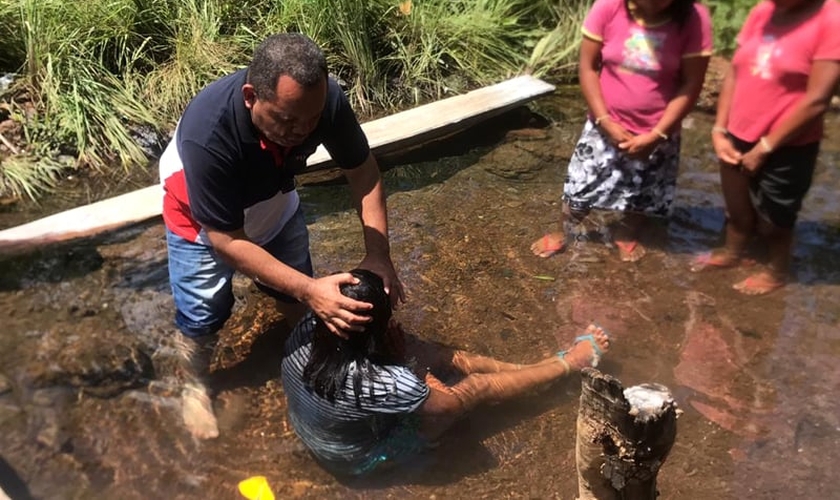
(753, 159)
(725, 150)
(614, 131)
(381, 265)
(640, 146)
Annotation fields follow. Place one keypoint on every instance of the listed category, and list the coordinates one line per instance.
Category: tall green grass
(727, 18)
(94, 72)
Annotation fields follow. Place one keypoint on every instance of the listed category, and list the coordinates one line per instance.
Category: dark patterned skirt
(601, 176)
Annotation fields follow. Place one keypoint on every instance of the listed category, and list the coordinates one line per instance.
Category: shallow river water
(88, 405)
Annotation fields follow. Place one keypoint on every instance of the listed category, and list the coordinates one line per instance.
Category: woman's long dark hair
(331, 357)
(679, 10)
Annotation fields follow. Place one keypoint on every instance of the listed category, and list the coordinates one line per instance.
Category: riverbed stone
(9, 407)
(98, 370)
(5, 385)
(518, 159)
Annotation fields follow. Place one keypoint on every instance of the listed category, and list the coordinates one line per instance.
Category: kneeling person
(373, 398)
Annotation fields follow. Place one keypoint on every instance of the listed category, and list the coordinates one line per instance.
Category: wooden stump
(623, 437)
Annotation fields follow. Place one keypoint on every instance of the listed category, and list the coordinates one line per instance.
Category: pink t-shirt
(771, 67)
(640, 70)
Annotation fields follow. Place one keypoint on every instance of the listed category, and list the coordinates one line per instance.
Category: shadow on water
(48, 266)
(467, 439)
(11, 483)
(325, 192)
(755, 377)
(74, 259)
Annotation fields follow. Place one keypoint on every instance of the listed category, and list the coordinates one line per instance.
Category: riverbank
(102, 83)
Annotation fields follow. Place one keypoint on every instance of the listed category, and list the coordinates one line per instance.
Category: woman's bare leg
(554, 241)
(741, 222)
(627, 237)
(779, 242)
(741, 216)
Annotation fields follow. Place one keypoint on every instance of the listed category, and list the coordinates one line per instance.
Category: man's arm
(322, 295)
(369, 199)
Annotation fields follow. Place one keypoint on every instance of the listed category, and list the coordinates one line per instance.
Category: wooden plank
(437, 119)
(386, 135)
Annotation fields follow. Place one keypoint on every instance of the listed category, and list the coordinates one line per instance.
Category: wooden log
(623, 437)
(386, 135)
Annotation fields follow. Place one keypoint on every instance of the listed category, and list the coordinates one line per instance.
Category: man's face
(292, 115)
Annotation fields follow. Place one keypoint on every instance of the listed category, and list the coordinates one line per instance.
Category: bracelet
(600, 119)
(719, 130)
(661, 134)
(765, 144)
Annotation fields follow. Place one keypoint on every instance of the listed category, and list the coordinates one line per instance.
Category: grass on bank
(95, 74)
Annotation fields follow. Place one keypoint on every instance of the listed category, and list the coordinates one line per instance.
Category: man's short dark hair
(291, 54)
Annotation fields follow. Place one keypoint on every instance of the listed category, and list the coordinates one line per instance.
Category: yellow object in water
(256, 488)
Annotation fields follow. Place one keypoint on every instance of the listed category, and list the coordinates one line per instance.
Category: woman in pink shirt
(768, 129)
(642, 65)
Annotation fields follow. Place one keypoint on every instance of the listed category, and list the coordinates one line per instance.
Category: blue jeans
(202, 282)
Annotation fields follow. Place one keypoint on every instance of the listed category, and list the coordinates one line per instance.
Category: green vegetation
(727, 18)
(94, 75)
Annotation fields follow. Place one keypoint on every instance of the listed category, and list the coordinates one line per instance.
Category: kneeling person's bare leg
(445, 406)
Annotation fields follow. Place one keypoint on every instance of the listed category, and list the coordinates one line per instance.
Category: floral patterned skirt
(601, 176)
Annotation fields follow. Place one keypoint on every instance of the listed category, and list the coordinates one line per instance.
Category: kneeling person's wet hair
(333, 357)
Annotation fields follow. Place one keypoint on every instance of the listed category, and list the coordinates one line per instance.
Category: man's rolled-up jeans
(202, 282)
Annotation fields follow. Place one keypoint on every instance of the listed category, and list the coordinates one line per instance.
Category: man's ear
(250, 95)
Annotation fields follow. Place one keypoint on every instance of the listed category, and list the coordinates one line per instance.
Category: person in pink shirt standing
(768, 129)
(642, 66)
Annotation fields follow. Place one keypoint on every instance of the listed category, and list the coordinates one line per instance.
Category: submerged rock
(99, 372)
(527, 152)
(5, 385)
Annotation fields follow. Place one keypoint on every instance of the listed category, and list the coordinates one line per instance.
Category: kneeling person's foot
(587, 349)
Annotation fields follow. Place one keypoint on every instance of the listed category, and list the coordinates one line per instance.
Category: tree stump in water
(623, 437)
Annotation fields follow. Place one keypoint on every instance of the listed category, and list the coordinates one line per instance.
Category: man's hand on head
(340, 313)
(384, 267)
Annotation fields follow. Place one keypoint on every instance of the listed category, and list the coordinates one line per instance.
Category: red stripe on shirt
(176, 208)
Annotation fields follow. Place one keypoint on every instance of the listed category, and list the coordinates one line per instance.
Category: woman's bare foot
(630, 251)
(587, 349)
(719, 259)
(759, 284)
(548, 245)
